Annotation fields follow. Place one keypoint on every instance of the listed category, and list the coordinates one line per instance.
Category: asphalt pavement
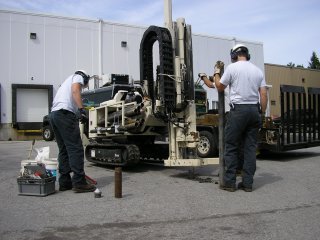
(167, 203)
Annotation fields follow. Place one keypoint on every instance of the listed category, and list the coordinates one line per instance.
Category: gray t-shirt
(244, 80)
(63, 98)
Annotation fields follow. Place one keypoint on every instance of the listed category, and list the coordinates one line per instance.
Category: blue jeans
(242, 125)
(71, 155)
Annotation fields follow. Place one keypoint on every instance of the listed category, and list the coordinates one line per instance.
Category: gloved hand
(83, 115)
(218, 68)
(202, 75)
(262, 120)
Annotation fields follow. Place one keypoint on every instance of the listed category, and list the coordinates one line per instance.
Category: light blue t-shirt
(63, 98)
(244, 80)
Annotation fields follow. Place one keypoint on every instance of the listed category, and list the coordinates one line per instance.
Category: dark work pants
(71, 156)
(242, 125)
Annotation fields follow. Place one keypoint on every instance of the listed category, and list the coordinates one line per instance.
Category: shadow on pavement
(200, 174)
(138, 168)
(286, 156)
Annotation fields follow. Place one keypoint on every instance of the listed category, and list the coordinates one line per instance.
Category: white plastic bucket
(27, 162)
(51, 166)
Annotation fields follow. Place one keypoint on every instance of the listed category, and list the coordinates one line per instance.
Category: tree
(291, 64)
(314, 61)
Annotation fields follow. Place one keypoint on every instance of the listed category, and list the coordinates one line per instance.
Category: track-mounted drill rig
(124, 130)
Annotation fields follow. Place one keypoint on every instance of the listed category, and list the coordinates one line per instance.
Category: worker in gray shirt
(67, 110)
(248, 100)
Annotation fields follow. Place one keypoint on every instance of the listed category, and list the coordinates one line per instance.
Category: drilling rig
(122, 131)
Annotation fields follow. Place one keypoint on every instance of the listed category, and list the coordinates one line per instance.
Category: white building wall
(64, 45)
(5, 59)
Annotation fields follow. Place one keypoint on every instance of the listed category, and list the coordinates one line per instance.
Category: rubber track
(130, 154)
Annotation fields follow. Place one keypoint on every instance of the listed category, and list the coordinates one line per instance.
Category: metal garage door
(29, 104)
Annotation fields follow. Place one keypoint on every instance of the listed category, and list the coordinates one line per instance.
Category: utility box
(36, 187)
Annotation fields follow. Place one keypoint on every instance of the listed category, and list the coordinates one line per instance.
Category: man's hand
(207, 81)
(83, 116)
(262, 121)
(202, 75)
(218, 68)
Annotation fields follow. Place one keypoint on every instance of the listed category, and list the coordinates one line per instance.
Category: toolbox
(36, 187)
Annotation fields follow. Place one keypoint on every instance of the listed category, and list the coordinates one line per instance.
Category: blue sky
(288, 29)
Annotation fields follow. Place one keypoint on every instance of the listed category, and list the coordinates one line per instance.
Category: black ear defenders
(84, 76)
(234, 55)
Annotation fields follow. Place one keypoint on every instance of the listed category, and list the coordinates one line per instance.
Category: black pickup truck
(47, 131)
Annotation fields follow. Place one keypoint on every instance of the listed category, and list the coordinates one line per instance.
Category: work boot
(244, 188)
(84, 188)
(65, 188)
(228, 188)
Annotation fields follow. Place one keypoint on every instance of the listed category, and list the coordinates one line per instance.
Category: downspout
(100, 50)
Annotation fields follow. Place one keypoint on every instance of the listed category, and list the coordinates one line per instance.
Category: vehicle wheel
(47, 134)
(207, 145)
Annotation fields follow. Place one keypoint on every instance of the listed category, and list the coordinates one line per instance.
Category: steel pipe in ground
(118, 182)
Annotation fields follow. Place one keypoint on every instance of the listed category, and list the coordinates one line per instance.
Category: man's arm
(207, 81)
(220, 87)
(263, 98)
(76, 94)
